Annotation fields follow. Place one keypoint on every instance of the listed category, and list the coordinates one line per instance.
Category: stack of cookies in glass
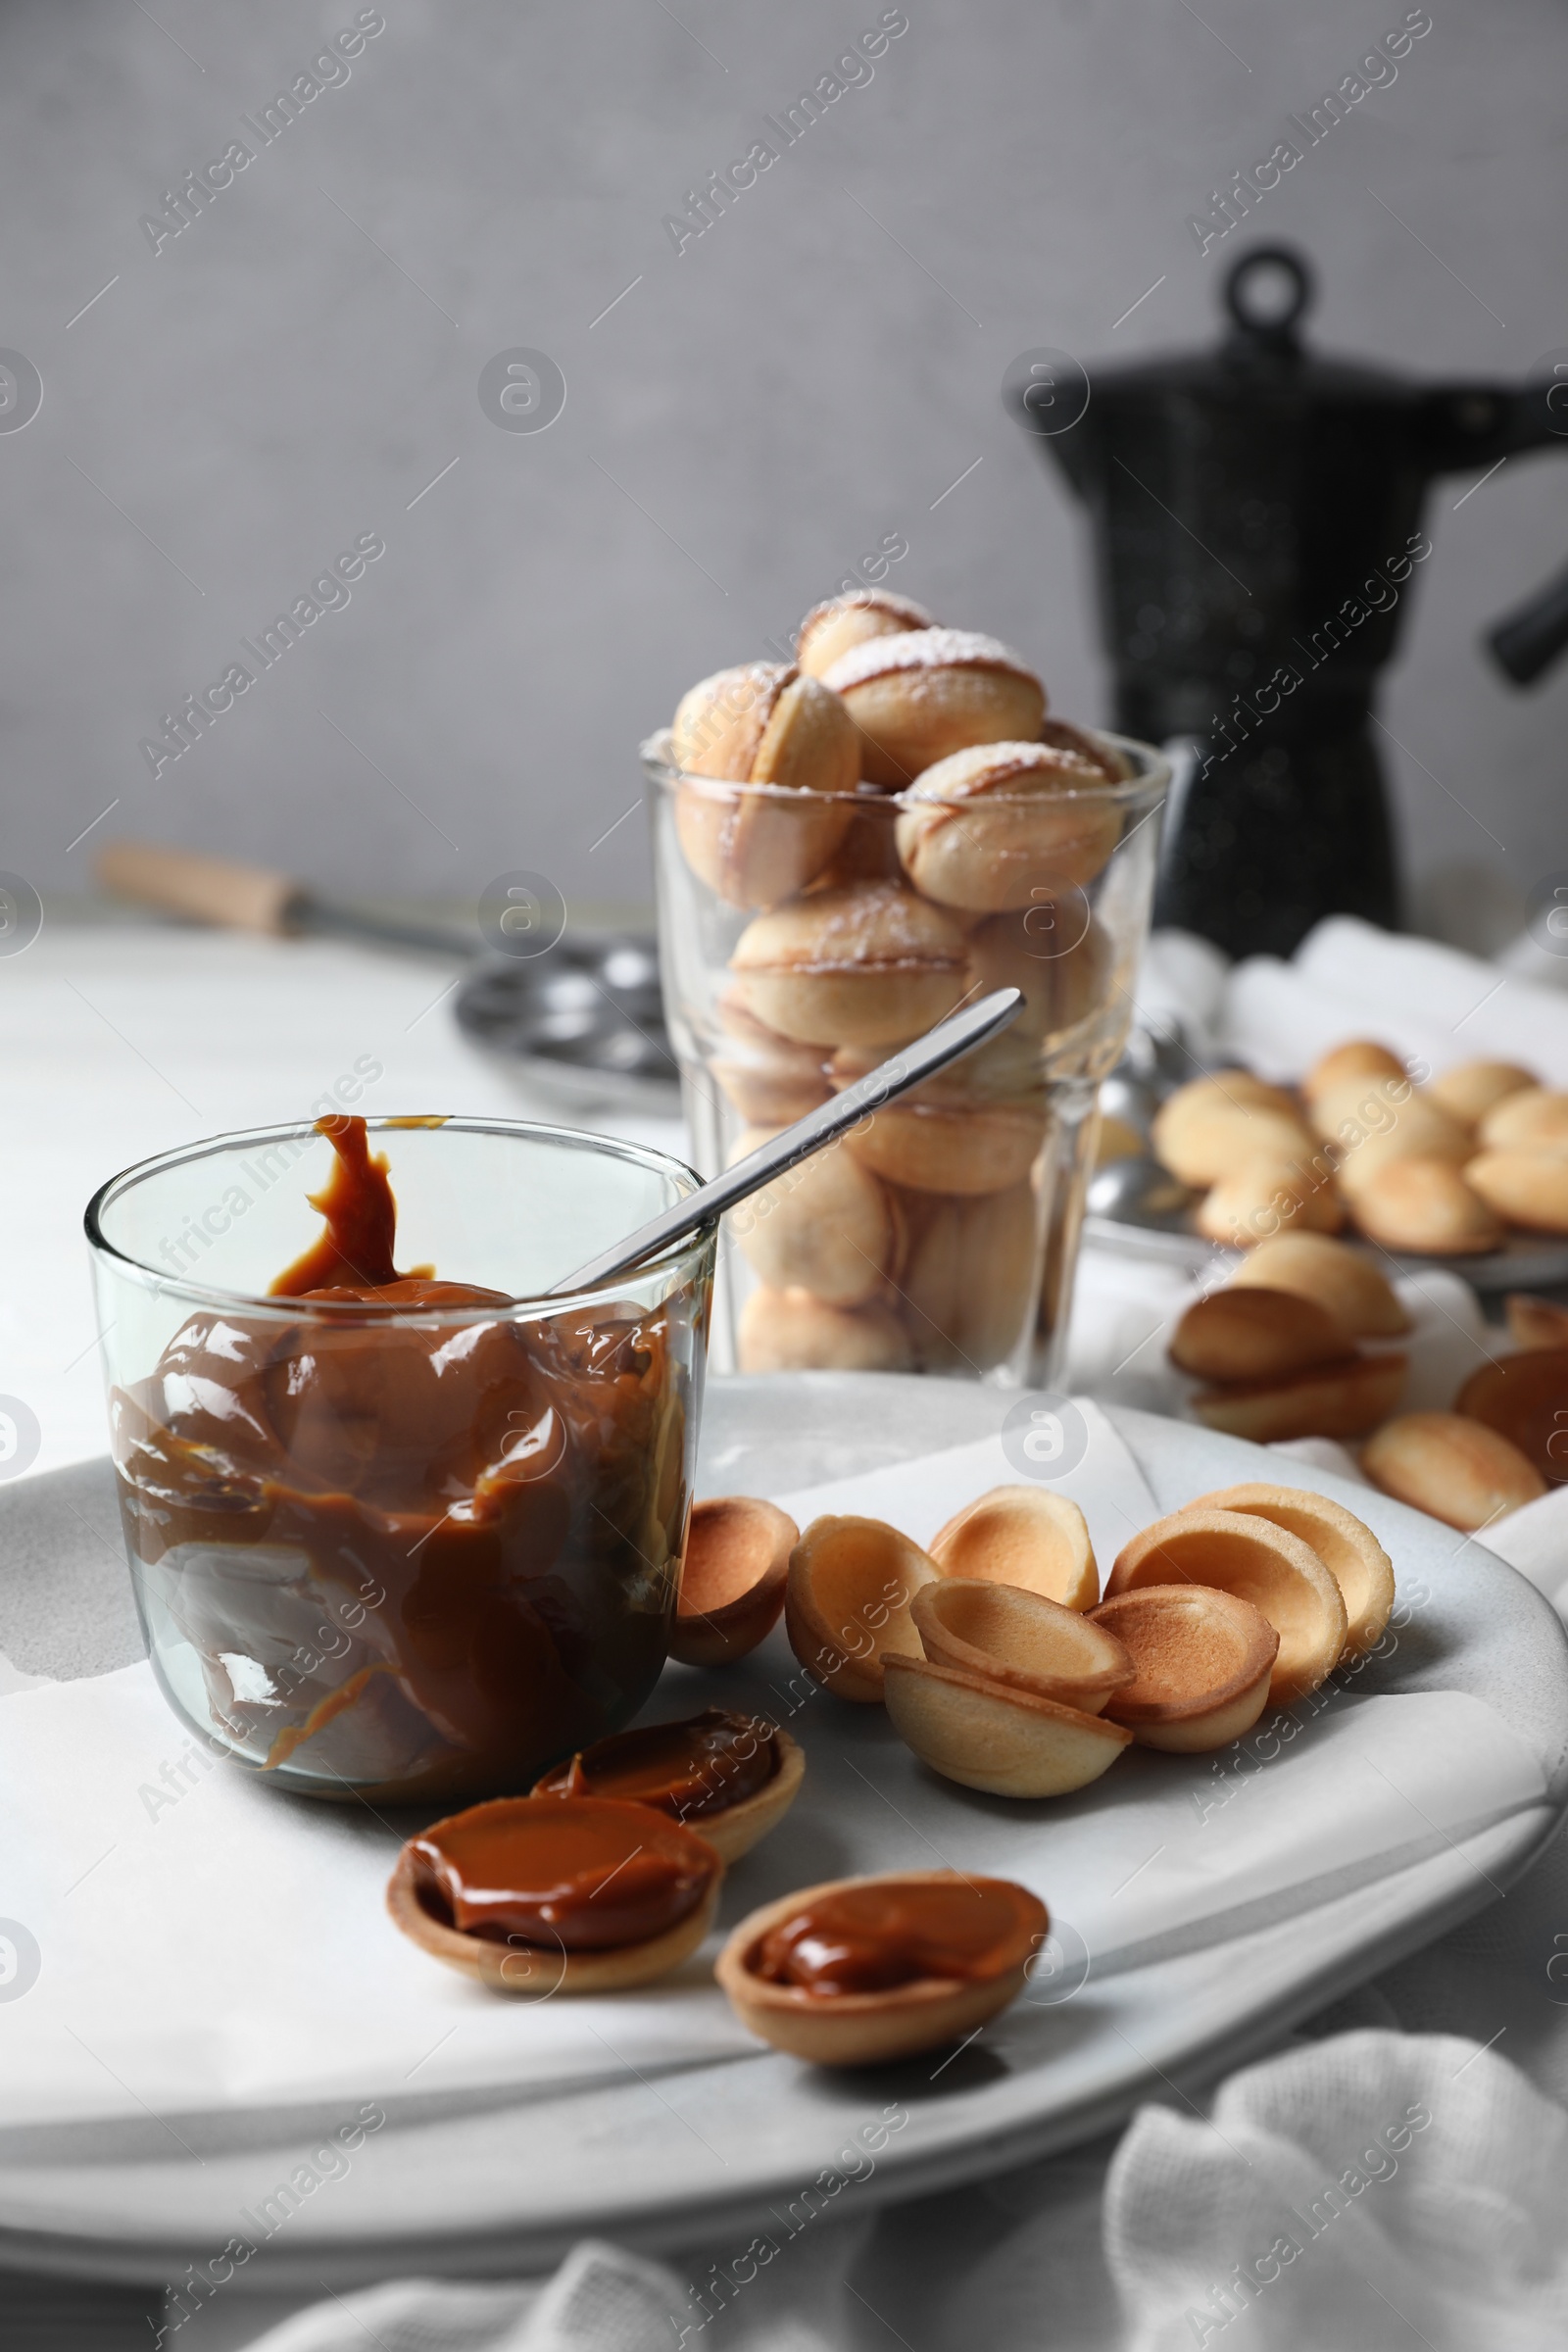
(850, 846)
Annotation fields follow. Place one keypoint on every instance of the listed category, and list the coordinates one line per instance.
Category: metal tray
(582, 1023)
(1524, 1262)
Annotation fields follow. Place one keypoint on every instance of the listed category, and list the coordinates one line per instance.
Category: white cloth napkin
(1361, 2193)
(1181, 983)
(918, 1497)
(1375, 2191)
(217, 1948)
(217, 1945)
(601, 2299)
(1348, 979)
(1535, 1540)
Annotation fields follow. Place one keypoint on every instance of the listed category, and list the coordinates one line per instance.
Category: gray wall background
(750, 421)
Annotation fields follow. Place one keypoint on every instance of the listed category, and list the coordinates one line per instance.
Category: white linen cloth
(601, 2299)
(1535, 1540)
(1369, 2192)
(215, 1948)
(1359, 2193)
(1348, 979)
(1182, 979)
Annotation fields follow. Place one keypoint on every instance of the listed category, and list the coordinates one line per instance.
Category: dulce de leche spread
(585, 1874)
(689, 1770)
(423, 1555)
(882, 1932)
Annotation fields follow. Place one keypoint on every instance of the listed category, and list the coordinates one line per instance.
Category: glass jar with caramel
(408, 1533)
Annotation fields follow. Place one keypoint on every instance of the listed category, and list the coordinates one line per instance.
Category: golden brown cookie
(956, 1149)
(1058, 953)
(870, 965)
(1457, 1469)
(761, 725)
(732, 1578)
(1369, 1123)
(1263, 1197)
(1356, 1292)
(771, 1079)
(1352, 1063)
(1346, 1545)
(1247, 1333)
(870, 850)
(826, 1226)
(1232, 1086)
(847, 1602)
(720, 723)
(1533, 1119)
(1004, 826)
(1333, 1400)
(910, 2012)
(532, 1970)
(1471, 1089)
(772, 1092)
(727, 1777)
(967, 1284)
(1023, 1536)
(1206, 1130)
(1525, 1398)
(734, 1830)
(790, 1330)
(1203, 1660)
(994, 1737)
(1276, 1571)
(1426, 1205)
(1085, 744)
(832, 629)
(919, 694)
(1007, 1634)
(1527, 1188)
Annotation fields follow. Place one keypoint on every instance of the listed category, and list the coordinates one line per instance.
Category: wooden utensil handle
(210, 890)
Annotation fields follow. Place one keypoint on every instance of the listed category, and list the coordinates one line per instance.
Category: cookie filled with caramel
(730, 1777)
(857, 1971)
(582, 1894)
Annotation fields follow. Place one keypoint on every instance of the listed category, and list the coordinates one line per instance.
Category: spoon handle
(958, 1034)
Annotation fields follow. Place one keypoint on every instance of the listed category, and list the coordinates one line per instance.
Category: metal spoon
(958, 1034)
(1138, 1192)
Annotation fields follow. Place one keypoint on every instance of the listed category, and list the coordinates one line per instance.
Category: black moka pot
(1257, 517)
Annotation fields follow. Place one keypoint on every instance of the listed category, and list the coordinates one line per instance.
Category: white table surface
(118, 1042)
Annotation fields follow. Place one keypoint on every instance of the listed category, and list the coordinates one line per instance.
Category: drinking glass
(802, 937)
(414, 1551)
